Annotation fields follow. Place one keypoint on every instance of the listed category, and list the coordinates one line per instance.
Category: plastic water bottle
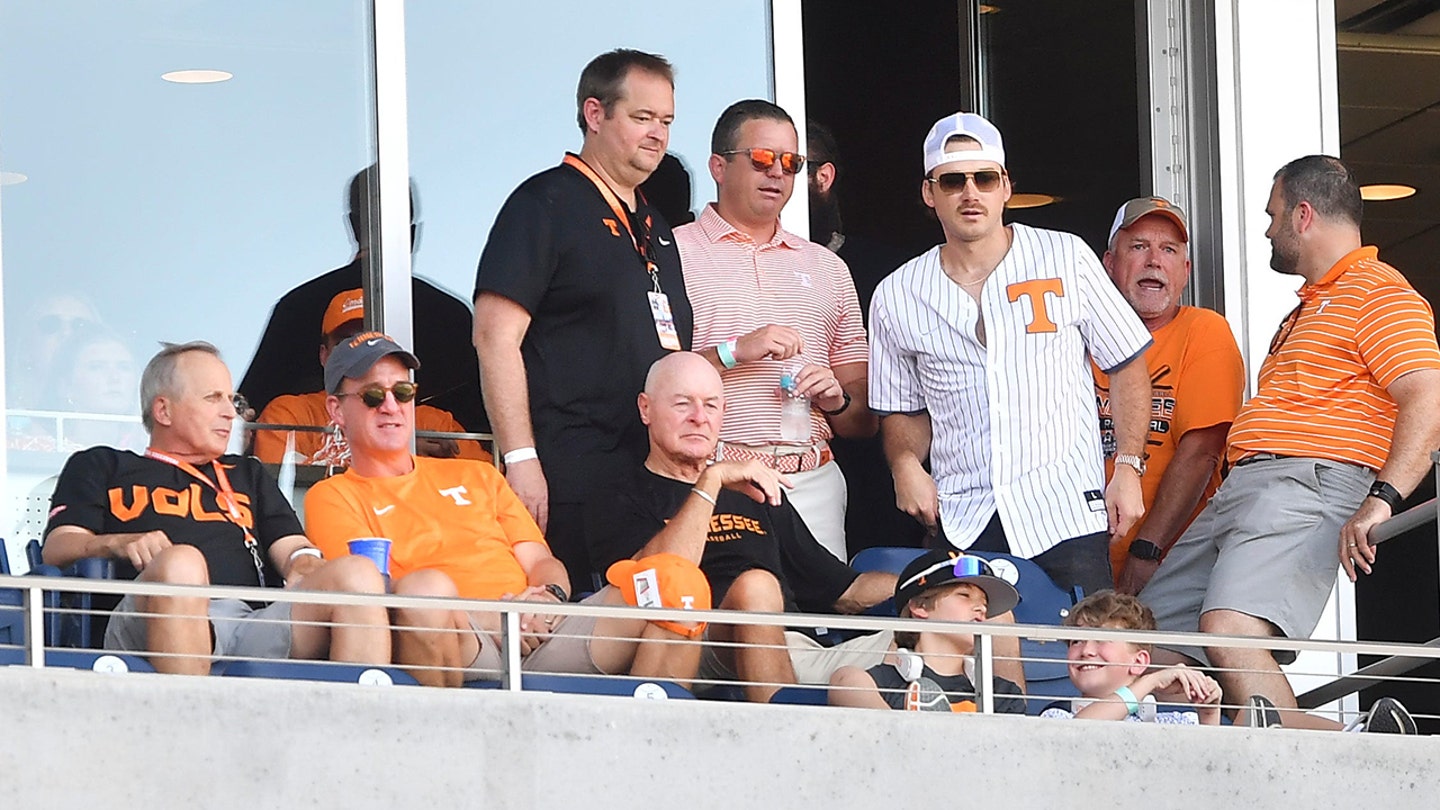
(794, 410)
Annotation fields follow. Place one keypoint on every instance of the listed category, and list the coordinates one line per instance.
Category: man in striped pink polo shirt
(769, 304)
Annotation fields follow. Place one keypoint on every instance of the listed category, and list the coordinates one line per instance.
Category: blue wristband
(1131, 704)
(726, 351)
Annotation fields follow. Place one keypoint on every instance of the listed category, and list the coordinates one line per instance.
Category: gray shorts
(567, 650)
(238, 630)
(813, 662)
(1267, 545)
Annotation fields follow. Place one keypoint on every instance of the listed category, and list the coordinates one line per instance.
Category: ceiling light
(986, 8)
(1031, 200)
(197, 76)
(1386, 191)
(12, 178)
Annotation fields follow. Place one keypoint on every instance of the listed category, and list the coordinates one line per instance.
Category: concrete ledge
(81, 739)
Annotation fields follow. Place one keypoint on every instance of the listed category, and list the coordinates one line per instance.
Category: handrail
(1410, 519)
(424, 434)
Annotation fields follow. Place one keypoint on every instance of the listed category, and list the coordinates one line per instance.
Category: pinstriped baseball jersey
(1013, 421)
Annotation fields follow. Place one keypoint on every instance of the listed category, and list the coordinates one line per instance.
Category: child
(1112, 676)
(941, 586)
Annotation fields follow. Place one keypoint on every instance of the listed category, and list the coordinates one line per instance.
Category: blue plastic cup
(376, 548)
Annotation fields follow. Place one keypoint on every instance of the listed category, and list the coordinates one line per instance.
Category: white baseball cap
(969, 125)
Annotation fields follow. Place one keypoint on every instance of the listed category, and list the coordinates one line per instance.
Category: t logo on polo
(457, 494)
(1034, 291)
(612, 225)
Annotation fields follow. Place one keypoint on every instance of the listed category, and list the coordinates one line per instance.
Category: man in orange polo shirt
(1197, 381)
(1339, 431)
(457, 529)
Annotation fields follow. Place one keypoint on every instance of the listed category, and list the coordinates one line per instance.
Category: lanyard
(224, 496)
(621, 213)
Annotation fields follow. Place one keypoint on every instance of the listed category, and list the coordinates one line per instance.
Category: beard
(824, 216)
(1284, 259)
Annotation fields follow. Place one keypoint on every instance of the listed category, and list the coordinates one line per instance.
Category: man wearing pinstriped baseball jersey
(978, 363)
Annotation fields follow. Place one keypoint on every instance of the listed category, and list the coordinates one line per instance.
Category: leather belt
(783, 458)
(1254, 457)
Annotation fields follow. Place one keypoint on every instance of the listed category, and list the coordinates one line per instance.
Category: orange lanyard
(621, 213)
(224, 497)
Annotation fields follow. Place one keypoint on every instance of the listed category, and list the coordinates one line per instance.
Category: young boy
(941, 586)
(1112, 675)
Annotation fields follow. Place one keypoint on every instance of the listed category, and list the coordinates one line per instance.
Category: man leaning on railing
(184, 514)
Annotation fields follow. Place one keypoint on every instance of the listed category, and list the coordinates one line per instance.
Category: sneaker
(1261, 712)
(925, 695)
(1387, 716)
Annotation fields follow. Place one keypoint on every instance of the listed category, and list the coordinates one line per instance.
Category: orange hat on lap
(663, 580)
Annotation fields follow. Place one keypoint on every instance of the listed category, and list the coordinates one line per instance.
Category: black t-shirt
(957, 688)
(111, 491)
(286, 360)
(557, 250)
(743, 535)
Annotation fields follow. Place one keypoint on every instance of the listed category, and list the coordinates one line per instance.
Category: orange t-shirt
(309, 409)
(1197, 380)
(455, 516)
(1322, 390)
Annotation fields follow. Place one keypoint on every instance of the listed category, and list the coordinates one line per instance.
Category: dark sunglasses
(951, 182)
(374, 396)
(763, 159)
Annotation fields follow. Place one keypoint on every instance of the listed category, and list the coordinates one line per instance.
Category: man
(184, 514)
(1340, 429)
(578, 292)
(344, 317)
(871, 518)
(1197, 381)
(978, 363)
(458, 530)
(442, 323)
(770, 304)
(754, 548)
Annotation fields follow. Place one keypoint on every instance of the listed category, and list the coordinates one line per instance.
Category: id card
(664, 321)
(647, 588)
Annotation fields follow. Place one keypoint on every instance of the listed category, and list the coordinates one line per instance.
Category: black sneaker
(1387, 716)
(1262, 712)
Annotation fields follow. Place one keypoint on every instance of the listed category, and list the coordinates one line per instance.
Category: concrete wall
(80, 739)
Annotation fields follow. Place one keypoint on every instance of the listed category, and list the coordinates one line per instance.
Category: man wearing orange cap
(343, 318)
(457, 529)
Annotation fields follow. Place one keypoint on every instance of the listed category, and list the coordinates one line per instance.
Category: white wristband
(520, 454)
(306, 551)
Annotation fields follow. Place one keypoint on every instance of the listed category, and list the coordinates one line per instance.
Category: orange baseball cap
(345, 307)
(663, 580)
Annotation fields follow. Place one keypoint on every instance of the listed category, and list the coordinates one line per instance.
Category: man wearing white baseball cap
(977, 363)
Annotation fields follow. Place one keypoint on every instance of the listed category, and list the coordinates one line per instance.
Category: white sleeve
(894, 379)
(1113, 332)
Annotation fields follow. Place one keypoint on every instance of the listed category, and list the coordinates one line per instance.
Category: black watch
(840, 409)
(1388, 494)
(1145, 550)
(557, 592)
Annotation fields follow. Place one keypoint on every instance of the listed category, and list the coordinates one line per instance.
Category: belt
(1254, 457)
(783, 458)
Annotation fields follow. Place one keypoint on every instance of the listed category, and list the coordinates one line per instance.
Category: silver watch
(1136, 463)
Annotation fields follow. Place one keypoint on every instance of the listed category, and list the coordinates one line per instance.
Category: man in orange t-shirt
(1345, 415)
(457, 529)
(1197, 381)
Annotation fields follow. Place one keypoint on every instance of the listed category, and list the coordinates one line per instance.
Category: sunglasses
(763, 159)
(951, 182)
(963, 566)
(374, 396)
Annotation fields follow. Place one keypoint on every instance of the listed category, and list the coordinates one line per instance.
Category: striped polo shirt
(1013, 421)
(1322, 391)
(736, 286)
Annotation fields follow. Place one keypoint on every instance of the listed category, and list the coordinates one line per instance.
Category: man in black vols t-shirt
(732, 519)
(184, 514)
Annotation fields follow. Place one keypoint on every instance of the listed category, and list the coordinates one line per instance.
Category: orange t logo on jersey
(1035, 290)
(613, 225)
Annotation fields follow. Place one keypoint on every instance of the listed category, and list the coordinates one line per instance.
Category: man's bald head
(681, 369)
(682, 406)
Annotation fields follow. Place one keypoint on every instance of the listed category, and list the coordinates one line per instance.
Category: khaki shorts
(566, 651)
(239, 630)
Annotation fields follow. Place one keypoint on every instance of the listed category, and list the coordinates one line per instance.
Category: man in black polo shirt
(732, 519)
(578, 292)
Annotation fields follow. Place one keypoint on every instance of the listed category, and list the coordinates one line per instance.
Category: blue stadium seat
(613, 685)
(801, 696)
(328, 671)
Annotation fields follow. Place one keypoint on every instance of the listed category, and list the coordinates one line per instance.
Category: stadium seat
(801, 696)
(314, 671)
(614, 685)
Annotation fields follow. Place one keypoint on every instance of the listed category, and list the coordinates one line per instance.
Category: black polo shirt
(556, 250)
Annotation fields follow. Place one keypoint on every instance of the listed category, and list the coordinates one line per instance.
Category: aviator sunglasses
(374, 396)
(763, 159)
(951, 182)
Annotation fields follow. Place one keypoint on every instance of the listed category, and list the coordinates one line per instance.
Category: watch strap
(1388, 494)
(557, 592)
(1145, 550)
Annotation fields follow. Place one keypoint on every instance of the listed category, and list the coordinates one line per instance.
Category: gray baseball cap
(354, 357)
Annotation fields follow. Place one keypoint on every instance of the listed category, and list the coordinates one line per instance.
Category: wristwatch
(1388, 494)
(841, 409)
(1134, 462)
(1145, 550)
(557, 592)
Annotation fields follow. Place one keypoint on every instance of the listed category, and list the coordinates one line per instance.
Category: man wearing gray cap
(1197, 380)
(977, 360)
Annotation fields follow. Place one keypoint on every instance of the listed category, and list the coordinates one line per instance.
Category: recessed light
(197, 76)
(1386, 191)
(12, 178)
(986, 8)
(1031, 200)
